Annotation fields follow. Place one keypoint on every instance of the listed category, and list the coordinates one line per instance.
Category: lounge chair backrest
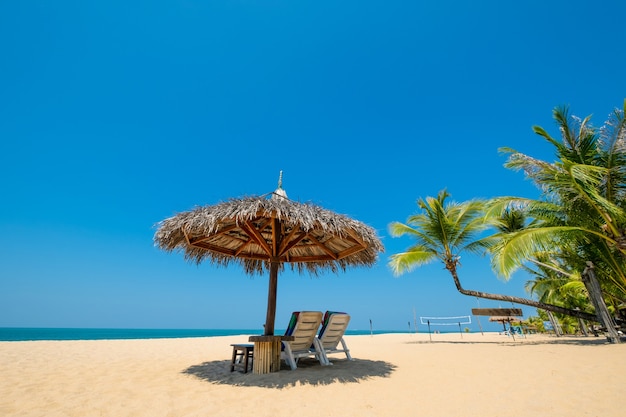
(333, 329)
(303, 327)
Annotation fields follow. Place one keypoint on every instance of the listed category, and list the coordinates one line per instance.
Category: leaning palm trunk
(518, 300)
(595, 295)
(558, 331)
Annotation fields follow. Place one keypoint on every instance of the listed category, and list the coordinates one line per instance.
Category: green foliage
(537, 322)
(441, 231)
(581, 216)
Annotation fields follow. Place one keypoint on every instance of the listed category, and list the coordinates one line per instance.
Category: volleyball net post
(445, 321)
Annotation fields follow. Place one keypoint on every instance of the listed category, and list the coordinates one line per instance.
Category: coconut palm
(442, 231)
(581, 218)
(553, 283)
(569, 292)
(584, 198)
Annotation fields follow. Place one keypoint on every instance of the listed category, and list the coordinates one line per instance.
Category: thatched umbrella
(266, 232)
(504, 319)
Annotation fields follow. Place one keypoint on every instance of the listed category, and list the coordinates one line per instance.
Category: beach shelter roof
(262, 233)
(503, 319)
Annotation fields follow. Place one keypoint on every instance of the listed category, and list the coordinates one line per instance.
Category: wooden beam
(290, 241)
(254, 234)
(497, 312)
(318, 258)
(324, 247)
(186, 235)
(350, 251)
(242, 247)
(276, 234)
(213, 248)
(263, 225)
(356, 237)
(193, 242)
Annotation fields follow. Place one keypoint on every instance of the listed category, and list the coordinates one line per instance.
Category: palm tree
(581, 219)
(442, 231)
(584, 197)
(553, 285)
(553, 288)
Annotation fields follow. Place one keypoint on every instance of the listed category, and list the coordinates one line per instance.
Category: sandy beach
(392, 375)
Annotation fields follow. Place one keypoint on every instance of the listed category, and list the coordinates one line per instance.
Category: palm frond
(403, 262)
(520, 246)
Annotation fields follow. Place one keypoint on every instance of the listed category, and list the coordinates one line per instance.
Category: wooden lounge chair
(303, 327)
(331, 335)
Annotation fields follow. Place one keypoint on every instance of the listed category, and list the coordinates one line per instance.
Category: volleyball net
(446, 321)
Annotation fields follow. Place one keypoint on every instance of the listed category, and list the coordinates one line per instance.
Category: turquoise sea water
(13, 334)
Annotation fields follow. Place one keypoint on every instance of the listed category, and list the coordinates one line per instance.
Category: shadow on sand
(309, 372)
(525, 341)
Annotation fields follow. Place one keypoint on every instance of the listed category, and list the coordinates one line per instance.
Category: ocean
(14, 334)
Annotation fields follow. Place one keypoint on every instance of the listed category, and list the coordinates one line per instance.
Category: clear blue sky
(117, 114)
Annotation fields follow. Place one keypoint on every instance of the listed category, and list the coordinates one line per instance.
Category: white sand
(392, 375)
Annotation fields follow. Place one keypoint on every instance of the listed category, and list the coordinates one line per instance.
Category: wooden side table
(242, 356)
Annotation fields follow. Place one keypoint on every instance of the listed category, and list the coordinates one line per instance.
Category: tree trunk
(519, 300)
(558, 331)
(583, 327)
(595, 295)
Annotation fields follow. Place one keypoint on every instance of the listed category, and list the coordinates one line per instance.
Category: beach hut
(263, 234)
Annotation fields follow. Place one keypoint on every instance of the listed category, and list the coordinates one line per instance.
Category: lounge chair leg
(345, 348)
(320, 354)
(289, 357)
(323, 360)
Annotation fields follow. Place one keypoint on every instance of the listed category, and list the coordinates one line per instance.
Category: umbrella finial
(279, 191)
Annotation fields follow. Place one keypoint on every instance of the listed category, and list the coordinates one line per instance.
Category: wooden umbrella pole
(271, 299)
(267, 347)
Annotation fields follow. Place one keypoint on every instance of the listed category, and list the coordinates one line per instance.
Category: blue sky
(115, 115)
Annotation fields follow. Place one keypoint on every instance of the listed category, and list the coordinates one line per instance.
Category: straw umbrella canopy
(263, 233)
(504, 319)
